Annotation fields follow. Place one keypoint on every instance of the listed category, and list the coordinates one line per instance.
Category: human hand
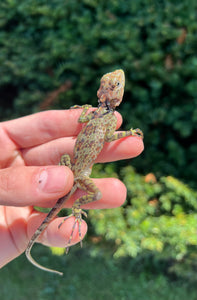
(31, 148)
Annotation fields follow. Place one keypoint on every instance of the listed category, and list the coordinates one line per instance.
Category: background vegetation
(52, 55)
(86, 278)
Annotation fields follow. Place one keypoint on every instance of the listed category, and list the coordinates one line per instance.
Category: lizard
(100, 126)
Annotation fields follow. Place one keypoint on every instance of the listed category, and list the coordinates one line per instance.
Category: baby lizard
(100, 128)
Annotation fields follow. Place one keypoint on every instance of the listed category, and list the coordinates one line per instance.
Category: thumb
(24, 186)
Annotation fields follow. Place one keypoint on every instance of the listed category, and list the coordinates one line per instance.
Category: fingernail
(52, 179)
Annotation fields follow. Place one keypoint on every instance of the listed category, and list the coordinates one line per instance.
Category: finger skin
(51, 152)
(23, 186)
(113, 195)
(52, 235)
(17, 225)
(13, 191)
(113, 192)
(45, 126)
(13, 221)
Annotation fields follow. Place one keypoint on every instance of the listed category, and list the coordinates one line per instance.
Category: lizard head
(111, 89)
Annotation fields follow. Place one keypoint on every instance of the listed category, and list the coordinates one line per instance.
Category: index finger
(45, 126)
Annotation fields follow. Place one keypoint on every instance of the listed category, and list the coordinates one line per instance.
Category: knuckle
(7, 181)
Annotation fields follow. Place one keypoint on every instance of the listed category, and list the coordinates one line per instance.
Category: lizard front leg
(93, 194)
(83, 117)
(110, 136)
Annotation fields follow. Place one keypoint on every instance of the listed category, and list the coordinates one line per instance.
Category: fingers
(54, 236)
(23, 186)
(45, 126)
(13, 221)
(124, 148)
(42, 186)
(113, 194)
(18, 224)
(23, 221)
(51, 152)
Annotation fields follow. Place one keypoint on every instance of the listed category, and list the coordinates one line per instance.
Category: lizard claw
(77, 213)
(137, 132)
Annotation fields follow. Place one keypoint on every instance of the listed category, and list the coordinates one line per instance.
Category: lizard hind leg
(93, 194)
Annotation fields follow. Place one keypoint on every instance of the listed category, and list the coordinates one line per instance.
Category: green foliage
(159, 216)
(45, 43)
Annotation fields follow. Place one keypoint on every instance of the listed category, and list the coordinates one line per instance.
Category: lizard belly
(89, 144)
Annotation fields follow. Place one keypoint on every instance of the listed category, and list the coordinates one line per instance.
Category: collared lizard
(100, 128)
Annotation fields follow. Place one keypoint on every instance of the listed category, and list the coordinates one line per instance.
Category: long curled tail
(51, 215)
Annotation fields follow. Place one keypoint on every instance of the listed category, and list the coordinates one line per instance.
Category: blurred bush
(52, 55)
(160, 217)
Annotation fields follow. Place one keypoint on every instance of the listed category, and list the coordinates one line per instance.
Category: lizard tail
(51, 215)
(32, 260)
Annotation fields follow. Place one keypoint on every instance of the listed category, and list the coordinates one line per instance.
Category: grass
(86, 277)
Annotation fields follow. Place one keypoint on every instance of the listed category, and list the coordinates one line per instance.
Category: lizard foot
(77, 213)
(136, 132)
